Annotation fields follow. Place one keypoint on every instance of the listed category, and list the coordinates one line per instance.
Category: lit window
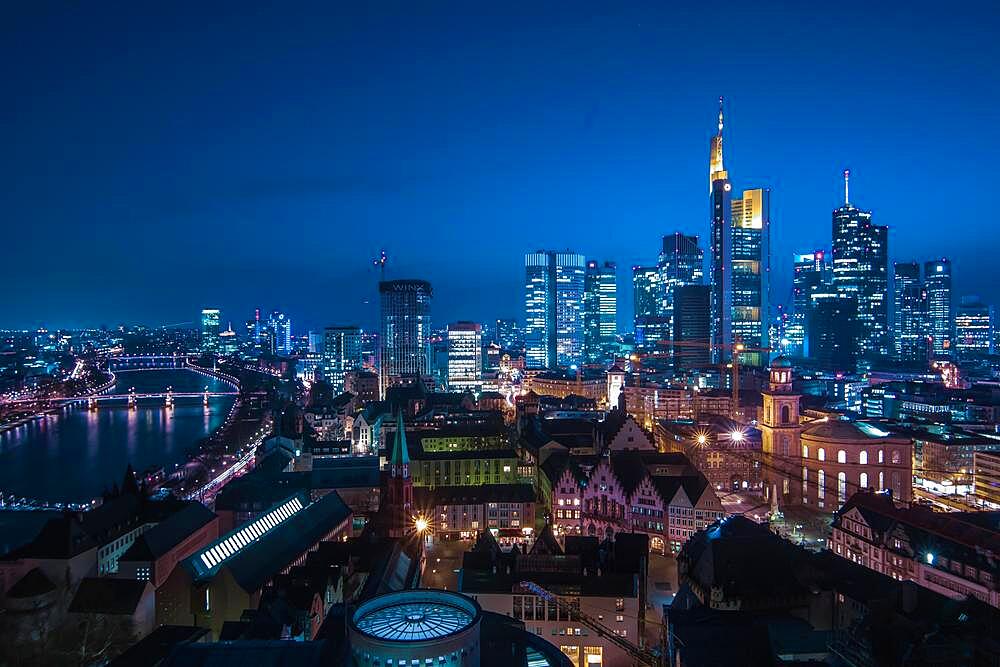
(821, 454)
(863, 457)
(841, 456)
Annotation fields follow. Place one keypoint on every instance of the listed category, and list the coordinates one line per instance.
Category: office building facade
(974, 328)
(210, 329)
(811, 274)
(553, 304)
(860, 270)
(341, 354)
(600, 328)
(681, 263)
(940, 325)
(691, 324)
(465, 356)
(740, 262)
(909, 307)
(405, 324)
(832, 331)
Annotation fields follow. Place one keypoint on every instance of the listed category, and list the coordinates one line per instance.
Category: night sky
(155, 161)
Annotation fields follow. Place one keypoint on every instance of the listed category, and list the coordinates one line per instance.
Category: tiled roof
(170, 532)
(108, 595)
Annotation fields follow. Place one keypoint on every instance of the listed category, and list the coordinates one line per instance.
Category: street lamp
(421, 525)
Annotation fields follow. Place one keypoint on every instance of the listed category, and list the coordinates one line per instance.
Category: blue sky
(161, 159)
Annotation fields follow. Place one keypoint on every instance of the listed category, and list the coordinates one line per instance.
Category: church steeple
(399, 462)
(716, 170)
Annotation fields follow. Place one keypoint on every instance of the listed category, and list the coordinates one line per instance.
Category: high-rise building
(832, 331)
(316, 342)
(506, 334)
(691, 308)
(465, 356)
(553, 304)
(647, 292)
(740, 262)
(909, 308)
(600, 321)
(681, 263)
(861, 270)
(405, 324)
(812, 273)
(341, 354)
(280, 327)
(937, 283)
(210, 329)
(974, 328)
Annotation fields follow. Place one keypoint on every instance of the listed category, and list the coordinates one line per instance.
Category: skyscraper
(600, 311)
(341, 354)
(210, 329)
(506, 334)
(405, 323)
(553, 304)
(540, 309)
(811, 274)
(280, 327)
(974, 328)
(647, 292)
(937, 282)
(680, 263)
(832, 330)
(909, 308)
(465, 356)
(691, 324)
(860, 269)
(740, 263)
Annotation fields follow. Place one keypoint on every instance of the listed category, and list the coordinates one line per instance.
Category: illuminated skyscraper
(553, 304)
(740, 264)
(280, 328)
(647, 292)
(210, 329)
(341, 354)
(600, 323)
(974, 328)
(506, 334)
(405, 324)
(909, 308)
(465, 356)
(691, 324)
(861, 269)
(681, 263)
(811, 274)
(937, 283)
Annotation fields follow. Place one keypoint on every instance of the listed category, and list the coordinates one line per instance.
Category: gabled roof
(170, 532)
(31, 585)
(630, 470)
(546, 543)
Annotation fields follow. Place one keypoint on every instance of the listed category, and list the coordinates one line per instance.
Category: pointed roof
(400, 453)
(546, 543)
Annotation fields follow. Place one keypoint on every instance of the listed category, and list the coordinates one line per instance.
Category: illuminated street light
(420, 524)
(702, 439)
(737, 436)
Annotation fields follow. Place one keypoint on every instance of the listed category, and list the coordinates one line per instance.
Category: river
(72, 456)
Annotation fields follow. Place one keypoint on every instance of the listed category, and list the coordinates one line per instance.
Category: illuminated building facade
(909, 300)
(812, 273)
(647, 299)
(600, 311)
(780, 430)
(341, 354)
(681, 263)
(860, 269)
(974, 328)
(506, 334)
(210, 329)
(405, 324)
(740, 262)
(554, 312)
(465, 356)
(937, 283)
(279, 326)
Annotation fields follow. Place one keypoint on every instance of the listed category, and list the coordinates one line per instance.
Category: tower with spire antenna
(740, 262)
(398, 498)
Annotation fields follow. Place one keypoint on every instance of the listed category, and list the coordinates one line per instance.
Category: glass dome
(414, 620)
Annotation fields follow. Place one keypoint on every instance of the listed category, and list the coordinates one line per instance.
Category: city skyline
(607, 174)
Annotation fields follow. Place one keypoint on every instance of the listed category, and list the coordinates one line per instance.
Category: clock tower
(780, 431)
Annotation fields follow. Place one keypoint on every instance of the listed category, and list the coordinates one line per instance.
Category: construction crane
(738, 348)
(638, 653)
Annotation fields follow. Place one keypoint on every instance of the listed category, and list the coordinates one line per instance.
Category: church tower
(780, 431)
(398, 498)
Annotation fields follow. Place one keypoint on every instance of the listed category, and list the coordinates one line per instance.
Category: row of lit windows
(235, 542)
